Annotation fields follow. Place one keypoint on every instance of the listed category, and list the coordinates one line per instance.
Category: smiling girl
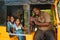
(18, 29)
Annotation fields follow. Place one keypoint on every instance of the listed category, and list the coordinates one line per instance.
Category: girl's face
(17, 22)
(8, 18)
(12, 19)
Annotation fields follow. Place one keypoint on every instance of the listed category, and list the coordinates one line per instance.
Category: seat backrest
(2, 29)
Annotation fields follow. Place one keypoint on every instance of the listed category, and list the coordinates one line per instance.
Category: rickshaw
(52, 10)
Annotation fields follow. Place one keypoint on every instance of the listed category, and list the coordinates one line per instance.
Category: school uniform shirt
(19, 27)
(18, 30)
(10, 25)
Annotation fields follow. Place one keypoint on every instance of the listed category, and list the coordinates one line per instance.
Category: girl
(8, 23)
(11, 25)
(18, 29)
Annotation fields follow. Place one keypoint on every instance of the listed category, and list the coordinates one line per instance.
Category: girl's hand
(12, 30)
(24, 28)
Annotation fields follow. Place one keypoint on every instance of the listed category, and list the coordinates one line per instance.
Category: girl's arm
(23, 27)
(8, 26)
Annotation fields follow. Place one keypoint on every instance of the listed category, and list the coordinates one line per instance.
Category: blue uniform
(18, 30)
(9, 25)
